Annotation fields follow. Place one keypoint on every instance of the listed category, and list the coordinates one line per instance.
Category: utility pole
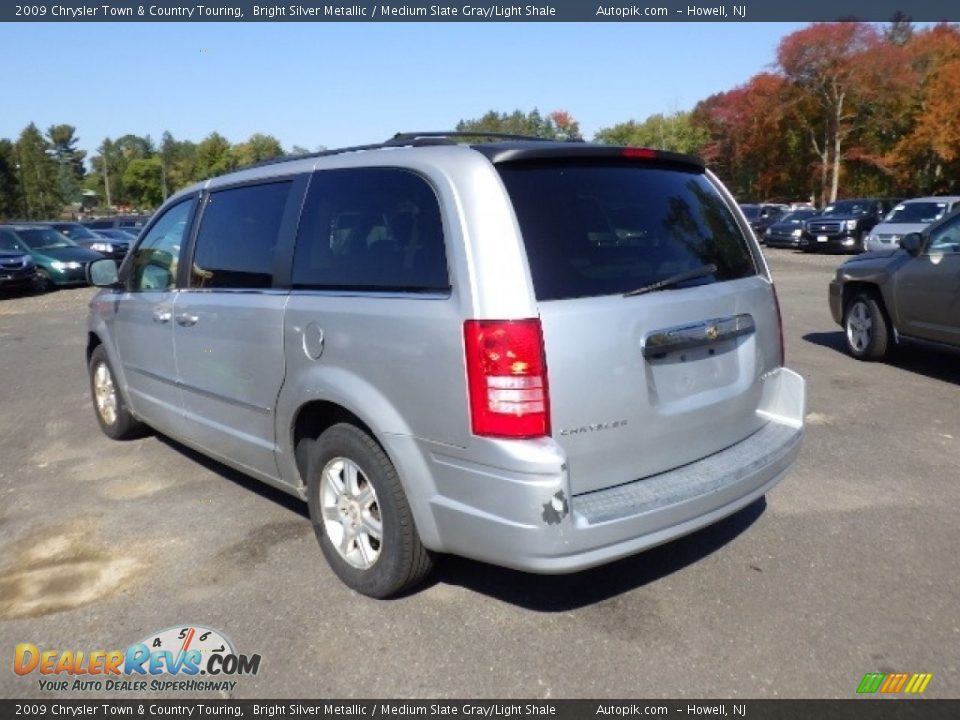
(23, 187)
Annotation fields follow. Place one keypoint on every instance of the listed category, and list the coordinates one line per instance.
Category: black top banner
(645, 11)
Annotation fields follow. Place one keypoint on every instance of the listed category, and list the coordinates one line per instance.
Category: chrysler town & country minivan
(543, 355)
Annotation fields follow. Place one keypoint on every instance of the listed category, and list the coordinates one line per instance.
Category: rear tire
(114, 416)
(361, 515)
(866, 329)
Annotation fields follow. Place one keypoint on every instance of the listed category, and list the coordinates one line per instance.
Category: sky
(335, 84)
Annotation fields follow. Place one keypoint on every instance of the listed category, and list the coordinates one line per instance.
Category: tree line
(848, 109)
(41, 173)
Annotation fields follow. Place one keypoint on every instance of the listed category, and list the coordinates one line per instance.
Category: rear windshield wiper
(674, 280)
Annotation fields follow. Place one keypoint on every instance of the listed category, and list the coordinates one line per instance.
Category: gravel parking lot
(849, 566)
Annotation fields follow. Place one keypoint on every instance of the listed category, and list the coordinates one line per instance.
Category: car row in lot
(843, 225)
(40, 257)
(851, 226)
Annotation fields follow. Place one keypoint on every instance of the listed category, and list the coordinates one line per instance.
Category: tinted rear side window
(370, 229)
(603, 229)
(238, 233)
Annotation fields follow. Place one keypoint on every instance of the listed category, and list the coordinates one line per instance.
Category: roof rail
(407, 139)
(410, 138)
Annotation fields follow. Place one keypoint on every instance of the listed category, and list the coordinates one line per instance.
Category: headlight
(797, 232)
(101, 247)
(61, 266)
(768, 231)
(850, 224)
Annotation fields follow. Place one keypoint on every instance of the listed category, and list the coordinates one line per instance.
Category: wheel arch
(853, 288)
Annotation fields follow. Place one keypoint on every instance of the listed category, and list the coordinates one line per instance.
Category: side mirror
(103, 273)
(912, 242)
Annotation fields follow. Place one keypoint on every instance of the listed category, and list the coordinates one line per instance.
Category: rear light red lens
(783, 349)
(507, 378)
(643, 153)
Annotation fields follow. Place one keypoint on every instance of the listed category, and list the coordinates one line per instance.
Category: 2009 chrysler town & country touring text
(544, 355)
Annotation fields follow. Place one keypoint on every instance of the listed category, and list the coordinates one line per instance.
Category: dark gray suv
(543, 355)
(902, 295)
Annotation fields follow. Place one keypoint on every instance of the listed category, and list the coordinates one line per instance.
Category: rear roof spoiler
(499, 153)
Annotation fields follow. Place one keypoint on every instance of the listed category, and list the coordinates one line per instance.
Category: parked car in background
(59, 260)
(762, 216)
(907, 217)
(843, 225)
(133, 223)
(126, 235)
(17, 269)
(786, 231)
(902, 295)
(90, 239)
(606, 375)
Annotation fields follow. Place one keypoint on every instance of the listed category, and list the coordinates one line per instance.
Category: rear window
(604, 229)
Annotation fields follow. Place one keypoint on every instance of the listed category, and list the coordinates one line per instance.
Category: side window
(946, 238)
(155, 259)
(370, 229)
(237, 236)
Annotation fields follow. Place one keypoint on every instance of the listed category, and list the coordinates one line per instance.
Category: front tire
(361, 516)
(41, 282)
(865, 328)
(114, 416)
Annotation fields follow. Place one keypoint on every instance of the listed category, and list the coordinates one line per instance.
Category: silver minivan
(542, 355)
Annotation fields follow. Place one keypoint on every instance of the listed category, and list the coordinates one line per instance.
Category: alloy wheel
(351, 513)
(105, 393)
(859, 327)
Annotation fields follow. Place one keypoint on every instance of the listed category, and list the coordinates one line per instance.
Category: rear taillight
(507, 378)
(776, 303)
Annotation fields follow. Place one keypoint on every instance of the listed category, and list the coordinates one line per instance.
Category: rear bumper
(528, 520)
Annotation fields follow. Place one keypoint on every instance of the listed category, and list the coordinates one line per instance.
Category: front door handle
(187, 320)
(162, 315)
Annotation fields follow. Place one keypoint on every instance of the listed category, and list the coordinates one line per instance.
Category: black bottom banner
(892, 709)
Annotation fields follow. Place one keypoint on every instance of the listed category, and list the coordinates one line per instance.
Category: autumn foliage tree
(926, 157)
(842, 74)
(753, 140)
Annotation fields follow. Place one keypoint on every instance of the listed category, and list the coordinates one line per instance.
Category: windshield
(44, 238)
(9, 243)
(917, 212)
(117, 235)
(75, 231)
(751, 211)
(849, 207)
(798, 216)
(602, 228)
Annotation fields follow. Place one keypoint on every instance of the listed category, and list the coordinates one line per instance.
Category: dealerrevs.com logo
(189, 658)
